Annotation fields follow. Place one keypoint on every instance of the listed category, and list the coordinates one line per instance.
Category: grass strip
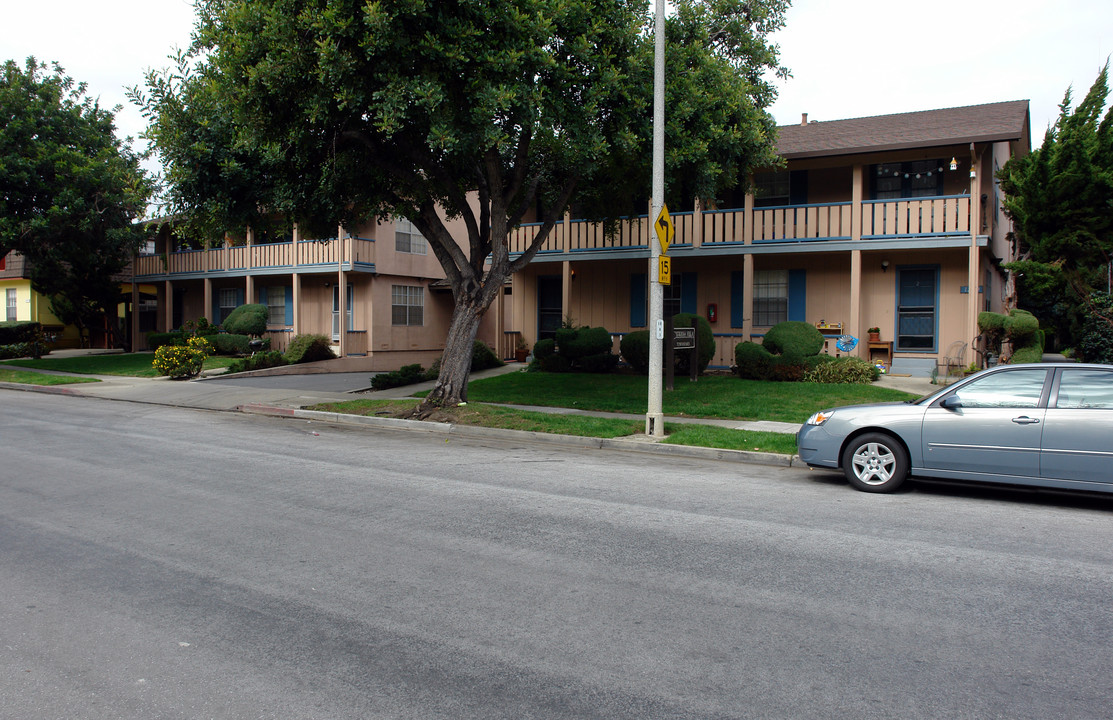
(29, 377)
(713, 436)
(478, 414)
(128, 364)
(717, 396)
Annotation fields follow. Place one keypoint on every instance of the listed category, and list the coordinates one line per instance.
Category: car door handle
(1025, 420)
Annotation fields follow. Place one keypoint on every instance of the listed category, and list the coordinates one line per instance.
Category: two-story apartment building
(392, 310)
(892, 222)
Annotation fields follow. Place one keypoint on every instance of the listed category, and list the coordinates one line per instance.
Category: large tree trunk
(452, 383)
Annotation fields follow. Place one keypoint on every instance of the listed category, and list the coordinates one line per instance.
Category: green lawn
(131, 364)
(716, 396)
(710, 397)
(28, 377)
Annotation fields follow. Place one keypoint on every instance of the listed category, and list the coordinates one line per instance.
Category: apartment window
(407, 238)
(919, 178)
(407, 305)
(772, 188)
(11, 304)
(917, 297)
(770, 297)
(229, 301)
(276, 305)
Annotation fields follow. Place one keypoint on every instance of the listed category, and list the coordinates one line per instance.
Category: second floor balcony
(243, 259)
(930, 217)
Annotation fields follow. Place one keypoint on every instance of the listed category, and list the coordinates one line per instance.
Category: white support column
(654, 416)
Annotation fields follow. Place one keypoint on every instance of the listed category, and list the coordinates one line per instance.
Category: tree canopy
(487, 111)
(1060, 198)
(70, 190)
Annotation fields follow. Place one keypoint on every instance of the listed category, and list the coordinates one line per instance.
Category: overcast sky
(849, 58)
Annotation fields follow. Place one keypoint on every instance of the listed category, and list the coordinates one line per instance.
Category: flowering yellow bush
(183, 361)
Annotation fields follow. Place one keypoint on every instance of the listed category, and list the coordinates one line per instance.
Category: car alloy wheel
(875, 462)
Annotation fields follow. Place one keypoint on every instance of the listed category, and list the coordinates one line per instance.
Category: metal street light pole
(654, 418)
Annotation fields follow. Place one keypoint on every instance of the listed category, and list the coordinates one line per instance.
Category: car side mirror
(951, 402)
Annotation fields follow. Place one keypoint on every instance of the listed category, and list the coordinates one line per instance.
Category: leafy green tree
(1060, 198)
(341, 110)
(70, 191)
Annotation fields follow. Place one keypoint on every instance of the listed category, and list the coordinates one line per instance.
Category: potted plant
(874, 334)
(521, 350)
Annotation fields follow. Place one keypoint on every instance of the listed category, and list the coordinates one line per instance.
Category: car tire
(875, 462)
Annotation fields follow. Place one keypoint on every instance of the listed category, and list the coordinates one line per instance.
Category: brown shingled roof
(927, 128)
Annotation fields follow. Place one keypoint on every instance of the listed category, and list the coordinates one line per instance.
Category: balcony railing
(947, 215)
(937, 216)
(302, 253)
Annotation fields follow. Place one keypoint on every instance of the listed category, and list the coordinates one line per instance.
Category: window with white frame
(770, 297)
(276, 305)
(407, 238)
(228, 303)
(12, 305)
(407, 305)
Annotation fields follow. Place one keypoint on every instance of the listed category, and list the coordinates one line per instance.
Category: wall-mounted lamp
(954, 164)
(884, 266)
(572, 274)
(973, 174)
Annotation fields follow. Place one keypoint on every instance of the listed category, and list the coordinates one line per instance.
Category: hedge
(247, 320)
(793, 337)
(309, 348)
(18, 331)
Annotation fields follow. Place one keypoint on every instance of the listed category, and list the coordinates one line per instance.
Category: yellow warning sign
(664, 228)
(664, 269)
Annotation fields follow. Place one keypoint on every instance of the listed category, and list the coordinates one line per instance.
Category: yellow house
(24, 303)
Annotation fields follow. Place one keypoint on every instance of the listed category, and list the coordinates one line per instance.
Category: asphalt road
(165, 563)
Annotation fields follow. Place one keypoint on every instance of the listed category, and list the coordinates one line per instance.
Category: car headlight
(820, 417)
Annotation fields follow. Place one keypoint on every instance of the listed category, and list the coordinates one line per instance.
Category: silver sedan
(1047, 425)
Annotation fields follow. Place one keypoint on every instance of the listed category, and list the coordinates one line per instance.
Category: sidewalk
(288, 395)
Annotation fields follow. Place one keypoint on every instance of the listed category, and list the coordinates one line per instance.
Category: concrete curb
(629, 444)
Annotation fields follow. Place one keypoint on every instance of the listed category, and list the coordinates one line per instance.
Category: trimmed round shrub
(635, 350)
(753, 361)
(555, 364)
(482, 357)
(793, 337)
(248, 320)
(1019, 325)
(601, 363)
(309, 348)
(544, 348)
(576, 343)
(842, 370)
(1027, 354)
(705, 342)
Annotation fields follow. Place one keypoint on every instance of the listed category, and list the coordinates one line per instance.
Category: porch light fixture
(954, 164)
(973, 174)
(884, 266)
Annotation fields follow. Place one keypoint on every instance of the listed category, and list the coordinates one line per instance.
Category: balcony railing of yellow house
(247, 257)
(880, 219)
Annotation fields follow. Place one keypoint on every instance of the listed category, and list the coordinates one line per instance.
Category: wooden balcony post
(297, 303)
(206, 309)
(697, 223)
(973, 271)
(854, 324)
(747, 295)
(856, 205)
(747, 228)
